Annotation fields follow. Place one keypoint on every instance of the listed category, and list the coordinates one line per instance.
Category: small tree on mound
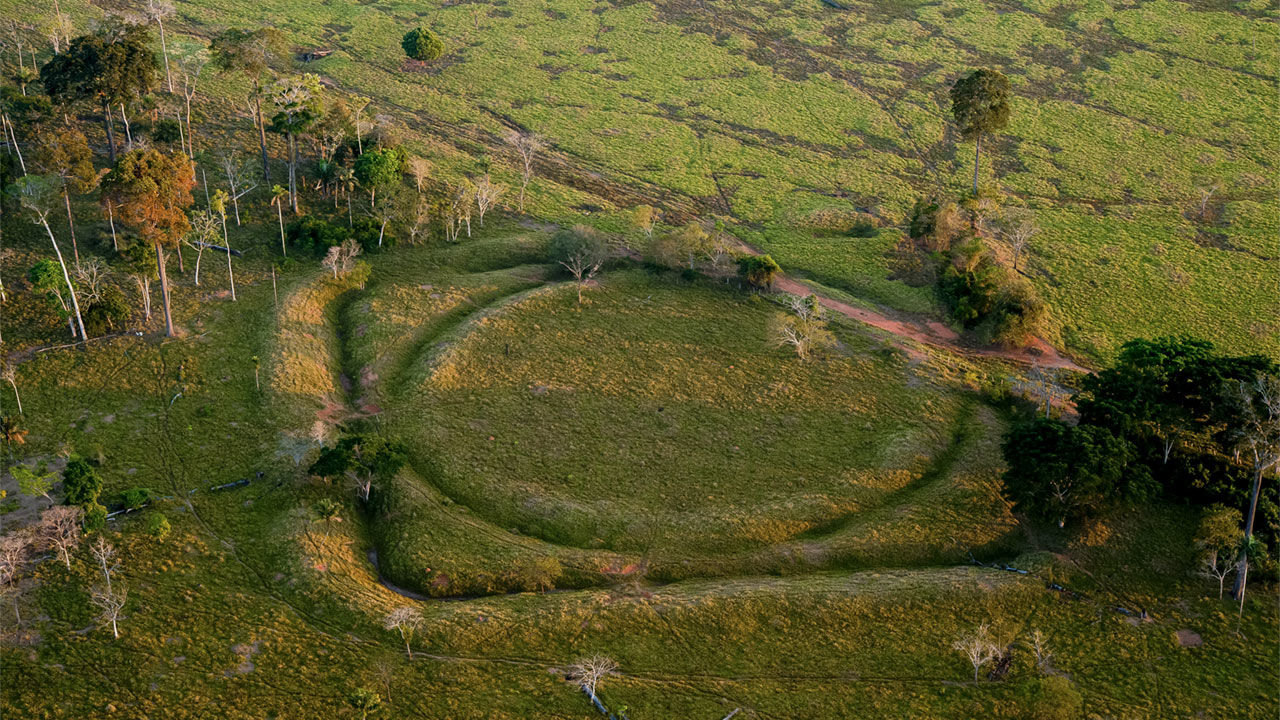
(423, 45)
(581, 251)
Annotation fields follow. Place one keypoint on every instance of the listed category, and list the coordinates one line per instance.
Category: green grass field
(645, 476)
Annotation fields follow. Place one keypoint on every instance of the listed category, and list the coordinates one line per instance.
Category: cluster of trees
(1171, 418)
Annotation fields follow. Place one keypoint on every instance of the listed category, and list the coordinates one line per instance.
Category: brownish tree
(152, 191)
(65, 153)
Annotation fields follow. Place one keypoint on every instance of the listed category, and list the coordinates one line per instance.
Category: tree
(364, 701)
(423, 45)
(804, 328)
(35, 194)
(1059, 472)
(296, 111)
(112, 66)
(157, 11)
(341, 258)
(104, 553)
(152, 191)
(980, 105)
(580, 250)
(59, 528)
(1217, 539)
(46, 279)
(81, 484)
(588, 674)
(646, 218)
(527, 147)
(406, 620)
(1017, 228)
(218, 205)
(758, 271)
(278, 194)
(487, 194)
(238, 179)
(419, 169)
(327, 510)
(34, 481)
(15, 551)
(250, 53)
(64, 153)
(1260, 435)
(681, 247)
(110, 604)
(363, 460)
(10, 375)
(978, 647)
(203, 233)
(378, 169)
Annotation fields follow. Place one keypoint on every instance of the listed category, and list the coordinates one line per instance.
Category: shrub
(109, 312)
(759, 271)
(537, 574)
(95, 516)
(366, 230)
(982, 295)
(313, 235)
(134, 498)
(422, 44)
(863, 229)
(158, 525)
(166, 131)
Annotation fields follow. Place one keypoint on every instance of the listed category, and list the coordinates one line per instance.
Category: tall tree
(218, 205)
(296, 111)
(251, 52)
(980, 105)
(157, 11)
(37, 195)
(112, 66)
(378, 169)
(152, 191)
(1260, 437)
(65, 153)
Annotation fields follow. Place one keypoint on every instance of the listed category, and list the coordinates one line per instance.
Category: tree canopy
(422, 44)
(980, 103)
(151, 191)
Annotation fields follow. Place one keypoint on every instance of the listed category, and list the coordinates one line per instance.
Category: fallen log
(219, 248)
(835, 4)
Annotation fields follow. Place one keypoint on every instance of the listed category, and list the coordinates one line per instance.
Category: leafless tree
(1259, 436)
(804, 329)
(104, 553)
(457, 210)
(1041, 382)
(59, 528)
(359, 104)
(34, 194)
(192, 65)
(110, 604)
(583, 263)
(91, 273)
(1017, 229)
(419, 169)
(341, 259)
(1205, 198)
(10, 375)
(487, 194)
(157, 11)
(406, 620)
(1214, 564)
(204, 231)
(978, 647)
(416, 216)
(59, 30)
(527, 146)
(238, 174)
(1040, 648)
(589, 672)
(646, 218)
(15, 549)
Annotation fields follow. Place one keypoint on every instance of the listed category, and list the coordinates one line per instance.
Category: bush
(95, 516)
(863, 229)
(759, 271)
(1052, 698)
(134, 498)
(365, 231)
(313, 235)
(166, 131)
(982, 295)
(580, 239)
(158, 525)
(109, 312)
(422, 44)
(533, 574)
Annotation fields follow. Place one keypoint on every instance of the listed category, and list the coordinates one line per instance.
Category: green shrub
(166, 131)
(109, 312)
(81, 484)
(537, 574)
(758, 271)
(422, 44)
(158, 525)
(134, 498)
(95, 516)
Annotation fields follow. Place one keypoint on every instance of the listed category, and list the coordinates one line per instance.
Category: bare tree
(456, 210)
(416, 213)
(588, 674)
(104, 553)
(238, 174)
(192, 65)
(59, 528)
(1205, 198)
(10, 375)
(1041, 382)
(804, 329)
(1040, 648)
(527, 146)
(110, 604)
(204, 231)
(487, 194)
(341, 259)
(34, 194)
(581, 251)
(156, 11)
(15, 549)
(91, 273)
(1017, 229)
(419, 169)
(406, 620)
(978, 647)
(1259, 436)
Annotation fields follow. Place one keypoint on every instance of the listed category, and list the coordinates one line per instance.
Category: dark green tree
(111, 66)
(361, 459)
(422, 44)
(759, 271)
(297, 109)
(1061, 472)
(364, 701)
(980, 105)
(81, 484)
(379, 169)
